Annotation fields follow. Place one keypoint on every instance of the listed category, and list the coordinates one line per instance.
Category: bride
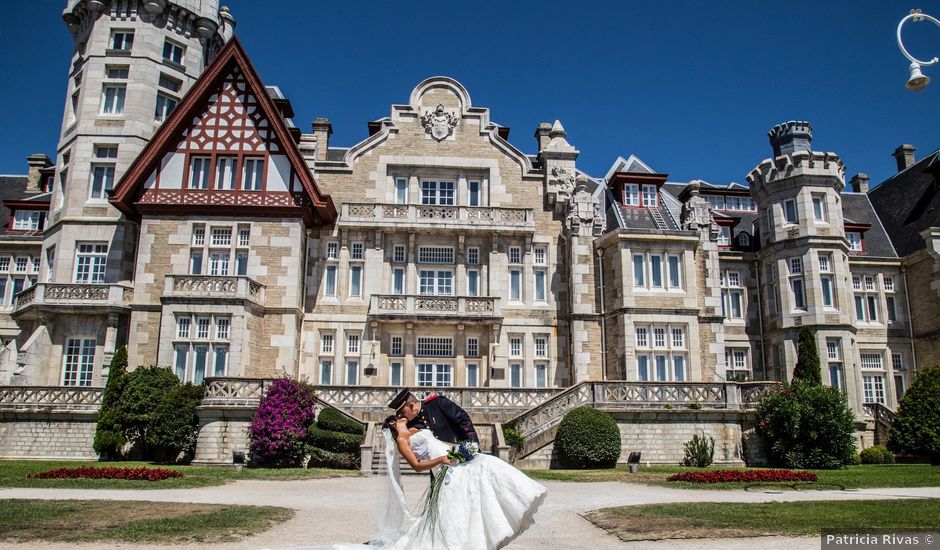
(483, 504)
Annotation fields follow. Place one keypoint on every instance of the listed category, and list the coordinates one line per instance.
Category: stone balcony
(436, 218)
(212, 287)
(402, 307)
(44, 298)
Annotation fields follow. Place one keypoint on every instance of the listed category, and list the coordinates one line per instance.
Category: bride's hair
(391, 423)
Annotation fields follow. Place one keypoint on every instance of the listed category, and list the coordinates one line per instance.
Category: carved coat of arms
(439, 123)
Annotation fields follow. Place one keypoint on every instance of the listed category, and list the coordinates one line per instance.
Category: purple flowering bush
(280, 424)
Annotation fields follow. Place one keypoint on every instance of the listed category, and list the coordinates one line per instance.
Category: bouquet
(465, 451)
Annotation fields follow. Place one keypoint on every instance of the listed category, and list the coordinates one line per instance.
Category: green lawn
(853, 477)
(142, 522)
(13, 473)
(722, 519)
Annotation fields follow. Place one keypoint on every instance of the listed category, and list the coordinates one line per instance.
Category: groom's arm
(459, 416)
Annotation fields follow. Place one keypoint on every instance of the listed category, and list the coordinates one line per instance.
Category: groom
(442, 416)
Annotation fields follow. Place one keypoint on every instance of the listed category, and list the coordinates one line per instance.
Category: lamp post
(918, 80)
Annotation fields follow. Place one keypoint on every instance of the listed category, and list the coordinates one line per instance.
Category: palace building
(187, 217)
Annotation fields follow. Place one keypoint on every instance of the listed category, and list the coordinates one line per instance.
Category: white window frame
(97, 262)
(78, 361)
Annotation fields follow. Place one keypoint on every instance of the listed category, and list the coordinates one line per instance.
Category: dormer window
(724, 237)
(744, 240)
(650, 196)
(27, 220)
(855, 240)
(631, 195)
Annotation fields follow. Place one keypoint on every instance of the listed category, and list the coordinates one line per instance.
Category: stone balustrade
(213, 286)
(484, 218)
(60, 398)
(450, 307)
(71, 296)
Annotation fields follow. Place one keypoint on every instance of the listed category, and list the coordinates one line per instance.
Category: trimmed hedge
(916, 429)
(335, 441)
(333, 420)
(877, 454)
(588, 438)
(320, 458)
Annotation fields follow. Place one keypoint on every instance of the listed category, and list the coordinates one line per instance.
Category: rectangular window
(515, 255)
(473, 195)
(396, 346)
(799, 297)
(835, 376)
(796, 266)
(170, 83)
(675, 275)
(218, 263)
(435, 255)
(826, 281)
(874, 389)
(398, 281)
(631, 195)
(819, 208)
(825, 263)
(515, 285)
(401, 191)
(678, 368)
(225, 173)
(79, 362)
(112, 98)
(27, 220)
(352, 373)
(855, 240)
(332, 250)
(437, 192)
(221, 236)
(435, 282)
(473, 375)
(859, 308)
(473, 282)
(642, 337)
(356, 251)
(329, 281)
(199, 172)
(541, 375)
(541, 346)
(398, 254)
(326, 372)
(252, 174)
(789, 211)
(122, 40)
(661, 370)
(434, 374)
(473, 255)
(872, 361)
(165, 104)
(892, 308)
(540, 254)
(515, 375)
(173, 52)
(639, 271)
(244, 236)
(473, 347)
(832, 349)
(515, 347)
(195, 262)
(539, 285)
(50, 265)
(656, 271)
(326, 342)
(355, 280)
(180, 360)
(724, 236)
(352, 343)
(199, 236)
(102, 180)
(221, 360)
(222, 325)
(872, 308)
(90, 263)
(395, 374)
(183, 325)
(649, 196)
(897, 361)
(659, 337)
(888, 283)
(678, 338)
(435, 347)
(642, 368)
(202, 327)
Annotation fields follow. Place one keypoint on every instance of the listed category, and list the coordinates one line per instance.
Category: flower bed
(728, 476)
(91, 472)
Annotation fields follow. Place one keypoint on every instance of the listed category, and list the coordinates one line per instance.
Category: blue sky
(691, 88)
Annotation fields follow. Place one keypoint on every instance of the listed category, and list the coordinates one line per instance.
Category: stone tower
(132, 63)
(804, 255)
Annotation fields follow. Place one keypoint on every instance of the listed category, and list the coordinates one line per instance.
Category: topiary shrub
(338, 442)
(588, 438)
(333, 420)
(145, 389)
(320, 458)
(699, 451)
(916, 429)
(109, 432)
(278, 429)
(174, 425)
(807, 363)
(876, 454)
(807, 426)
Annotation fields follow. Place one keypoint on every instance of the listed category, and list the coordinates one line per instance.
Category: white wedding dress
(484, 504)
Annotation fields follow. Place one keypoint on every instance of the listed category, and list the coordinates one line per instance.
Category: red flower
(110, 472)
(726, 476)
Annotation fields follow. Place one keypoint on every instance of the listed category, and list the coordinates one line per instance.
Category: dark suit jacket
(445, 419)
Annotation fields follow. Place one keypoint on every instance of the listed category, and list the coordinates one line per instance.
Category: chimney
(322, 130)
(859, 183)
(307, 145)
(36, 163)
(790, 137)
(542, 135)
(228, 23)
(905, 156)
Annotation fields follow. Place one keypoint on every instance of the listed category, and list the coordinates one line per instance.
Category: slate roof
(856, 208)
(908, 203)
(11, 188)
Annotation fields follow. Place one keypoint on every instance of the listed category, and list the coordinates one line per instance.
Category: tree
(144, 390)
(109, 433)
(174, 425)
(807, 363)
(916, 428)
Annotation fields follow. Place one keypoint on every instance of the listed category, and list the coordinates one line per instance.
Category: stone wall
(222, 430)
(659, 436)
(61, 435)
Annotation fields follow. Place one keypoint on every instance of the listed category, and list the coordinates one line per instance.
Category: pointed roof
(318, 208)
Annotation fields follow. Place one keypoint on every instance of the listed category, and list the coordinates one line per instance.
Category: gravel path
(341, 510)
